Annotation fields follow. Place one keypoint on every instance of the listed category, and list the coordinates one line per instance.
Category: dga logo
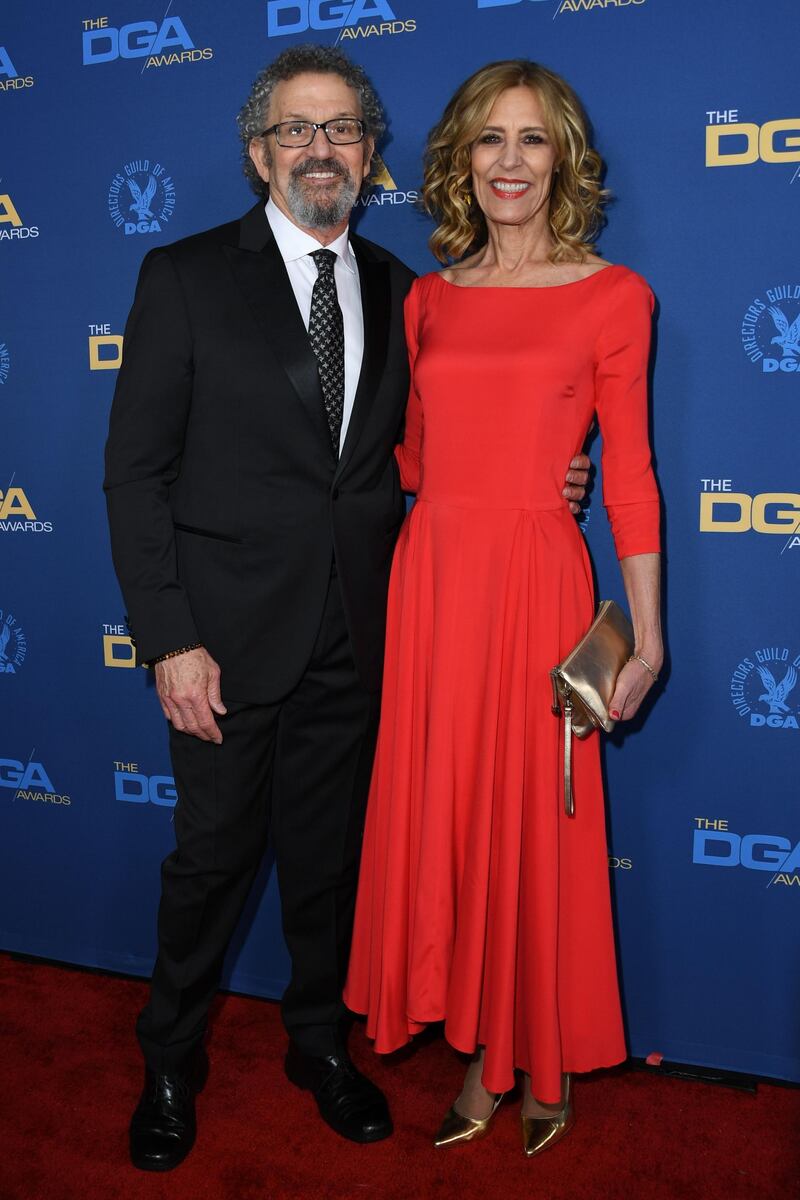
(17, 515)
(141, 198)
(5, 362)
(764, 689)
(105, 348)
(118, 647)
(771, 330)
(30, 781)
(564, 6)
(715, 845)
(724, 511)
(12, 227)
(385, 190)
(163, 44)
(353, 18)
(734, 143)
(10, 78)
(13, 644)
(132, 786)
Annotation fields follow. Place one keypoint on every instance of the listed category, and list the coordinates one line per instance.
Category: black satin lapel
(265, 284)
(376, 307)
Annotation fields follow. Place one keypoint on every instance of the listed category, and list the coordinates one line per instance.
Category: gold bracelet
(646, 665)
(175, 653)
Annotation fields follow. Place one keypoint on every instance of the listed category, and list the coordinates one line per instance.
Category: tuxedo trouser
(294, 774)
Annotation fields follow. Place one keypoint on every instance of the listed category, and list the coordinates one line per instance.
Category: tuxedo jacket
(226, 502)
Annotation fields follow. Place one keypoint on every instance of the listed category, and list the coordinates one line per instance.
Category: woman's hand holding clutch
(633, 683)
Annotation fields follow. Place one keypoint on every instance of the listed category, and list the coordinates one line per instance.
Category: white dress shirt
(295, 246)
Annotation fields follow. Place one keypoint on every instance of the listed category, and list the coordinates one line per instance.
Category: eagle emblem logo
(787, 336)
(775, 693)
(142, 199)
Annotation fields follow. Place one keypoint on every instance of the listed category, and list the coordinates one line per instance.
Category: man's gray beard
(319, 212)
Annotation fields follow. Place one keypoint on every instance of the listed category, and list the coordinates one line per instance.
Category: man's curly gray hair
(298, 60)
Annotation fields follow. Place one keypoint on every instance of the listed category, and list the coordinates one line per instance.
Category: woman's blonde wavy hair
(577, 196)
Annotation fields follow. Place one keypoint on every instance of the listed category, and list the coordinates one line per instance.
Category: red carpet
(72, 1076)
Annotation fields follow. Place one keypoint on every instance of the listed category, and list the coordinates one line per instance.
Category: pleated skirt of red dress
(480, 902)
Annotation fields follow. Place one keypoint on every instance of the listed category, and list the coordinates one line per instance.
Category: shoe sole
(161, 1168)
(147, 1165)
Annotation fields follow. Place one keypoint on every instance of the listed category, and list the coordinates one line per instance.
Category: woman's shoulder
(627, 292)
(418, 292)
(416, 305)
(424, 282)
(626, 278)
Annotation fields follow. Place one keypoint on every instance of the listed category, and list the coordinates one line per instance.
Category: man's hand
(577, 478)
(188, 688)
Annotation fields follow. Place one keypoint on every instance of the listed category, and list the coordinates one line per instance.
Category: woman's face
(513, 160)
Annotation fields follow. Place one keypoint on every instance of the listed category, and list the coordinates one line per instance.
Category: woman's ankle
(531, 1107)
(475, 1101)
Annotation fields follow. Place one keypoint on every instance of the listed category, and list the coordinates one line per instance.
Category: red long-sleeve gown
(480, 902)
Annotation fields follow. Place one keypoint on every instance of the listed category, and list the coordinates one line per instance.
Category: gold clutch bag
(584, 682)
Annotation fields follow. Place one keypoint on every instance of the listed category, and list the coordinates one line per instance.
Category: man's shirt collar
(294, 243)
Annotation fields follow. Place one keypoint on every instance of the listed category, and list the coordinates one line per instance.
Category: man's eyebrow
(293, 116)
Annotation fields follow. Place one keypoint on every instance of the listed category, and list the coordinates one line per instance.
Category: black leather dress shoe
(163, 1127)
(347, 1101)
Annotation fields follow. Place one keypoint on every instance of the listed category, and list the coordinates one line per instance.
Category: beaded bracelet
(175, 653)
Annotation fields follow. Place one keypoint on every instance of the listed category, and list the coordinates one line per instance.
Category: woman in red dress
(481, 903)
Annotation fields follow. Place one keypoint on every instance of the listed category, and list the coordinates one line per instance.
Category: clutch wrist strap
(646, 665)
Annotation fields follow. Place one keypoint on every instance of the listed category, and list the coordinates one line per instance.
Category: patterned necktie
(326, 334)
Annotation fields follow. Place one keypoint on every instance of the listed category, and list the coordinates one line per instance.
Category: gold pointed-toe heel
(455, 1128)
(540, 1133)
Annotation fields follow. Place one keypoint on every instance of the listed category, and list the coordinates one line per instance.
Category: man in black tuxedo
(254, 504)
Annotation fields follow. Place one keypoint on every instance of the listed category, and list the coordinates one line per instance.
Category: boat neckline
(546, 287)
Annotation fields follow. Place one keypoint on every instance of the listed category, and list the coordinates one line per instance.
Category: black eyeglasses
(341, 131)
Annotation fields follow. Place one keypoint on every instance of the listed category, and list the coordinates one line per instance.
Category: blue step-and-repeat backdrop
(697, 112)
